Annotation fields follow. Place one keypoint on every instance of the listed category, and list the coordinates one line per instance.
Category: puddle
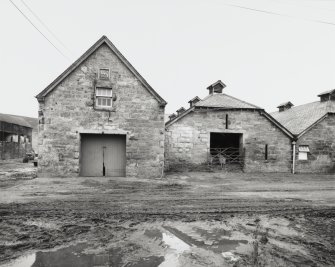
(214, 241)
(176, 248)
(153, 233)
(66, 257)
(153, 246)
(24, 261)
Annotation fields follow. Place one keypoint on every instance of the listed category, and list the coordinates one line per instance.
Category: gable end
(103, 40)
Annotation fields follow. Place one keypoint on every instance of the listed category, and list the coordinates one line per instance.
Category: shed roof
(299, 118)
(14, 119)
(93, 48)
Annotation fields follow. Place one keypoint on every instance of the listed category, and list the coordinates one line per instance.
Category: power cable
(45, 26)
(306, 6)
(39, 31)
(279, 14)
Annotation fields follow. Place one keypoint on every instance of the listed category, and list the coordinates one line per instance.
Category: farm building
(15, 136)
(101, 118)
(222, 129)
(313, 127)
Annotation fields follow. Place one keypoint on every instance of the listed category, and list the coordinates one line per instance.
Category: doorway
(103, 155)
(228, 146)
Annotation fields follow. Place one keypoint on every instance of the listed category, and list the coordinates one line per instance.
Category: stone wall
(188, 140)
(321, 142)
(67, 111)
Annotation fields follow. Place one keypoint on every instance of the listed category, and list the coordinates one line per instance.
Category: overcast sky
(265, 51)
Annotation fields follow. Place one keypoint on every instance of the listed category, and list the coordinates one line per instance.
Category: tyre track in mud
(49, 214)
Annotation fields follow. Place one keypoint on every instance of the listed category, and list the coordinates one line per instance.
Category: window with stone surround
(103, 97)
(303, 152)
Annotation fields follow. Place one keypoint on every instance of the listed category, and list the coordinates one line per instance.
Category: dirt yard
(15, 168)
(185, 219)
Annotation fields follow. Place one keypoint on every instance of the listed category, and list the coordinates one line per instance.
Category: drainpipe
(293, 163)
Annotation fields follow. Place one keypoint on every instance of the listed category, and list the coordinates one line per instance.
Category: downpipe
(293, 157)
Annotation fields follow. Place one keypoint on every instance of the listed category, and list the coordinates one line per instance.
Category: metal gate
(225, 156)
(103, 155)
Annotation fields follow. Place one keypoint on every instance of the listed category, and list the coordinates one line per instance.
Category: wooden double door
(103, 155)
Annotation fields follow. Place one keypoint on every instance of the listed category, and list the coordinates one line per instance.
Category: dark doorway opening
(226, 148)
(225, 140)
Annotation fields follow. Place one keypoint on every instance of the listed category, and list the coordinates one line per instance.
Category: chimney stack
(285, 106)
(172, 116)
(216, 88)
(194, 101)
(180, 111)
(328, 95)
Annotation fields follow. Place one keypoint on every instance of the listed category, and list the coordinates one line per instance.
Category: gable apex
(90, 51)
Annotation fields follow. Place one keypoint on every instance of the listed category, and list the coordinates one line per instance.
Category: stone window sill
(113, 109)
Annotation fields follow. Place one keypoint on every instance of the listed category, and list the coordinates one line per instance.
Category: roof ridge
(201, 100)
(295, 107)
(14, 119)
(242, 101)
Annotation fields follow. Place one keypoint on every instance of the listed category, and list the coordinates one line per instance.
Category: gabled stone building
(223, 128)
(313, 128)
(101, 118)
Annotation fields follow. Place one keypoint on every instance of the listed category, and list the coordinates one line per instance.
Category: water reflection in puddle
(176, 246)
(25, 261)
(68, 257)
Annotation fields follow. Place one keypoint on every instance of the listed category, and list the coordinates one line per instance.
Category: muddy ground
(15, 168)
(185, 219)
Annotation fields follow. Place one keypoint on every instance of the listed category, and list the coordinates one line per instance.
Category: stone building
(225, 130)
(313, 127)
(15, 137)
(101, 118)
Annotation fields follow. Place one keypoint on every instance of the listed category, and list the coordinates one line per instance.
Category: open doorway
(226, 147)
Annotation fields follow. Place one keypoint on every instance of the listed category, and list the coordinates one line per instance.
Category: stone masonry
(320, 140)
(188, 139)
(67, 111)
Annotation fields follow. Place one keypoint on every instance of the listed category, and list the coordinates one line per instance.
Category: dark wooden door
(103, 155)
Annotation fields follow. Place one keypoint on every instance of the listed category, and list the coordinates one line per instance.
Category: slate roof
(94, 47)
(224, 101)
(300, 118)
(14, 119)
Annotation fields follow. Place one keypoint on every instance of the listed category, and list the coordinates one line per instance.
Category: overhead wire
(45, 26)
(44, 34)
(27, 18)
(279, 14)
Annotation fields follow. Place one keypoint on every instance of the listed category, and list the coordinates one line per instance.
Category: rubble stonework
(313, 127)
(188, 139)
(320, 139)
(67, 111)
